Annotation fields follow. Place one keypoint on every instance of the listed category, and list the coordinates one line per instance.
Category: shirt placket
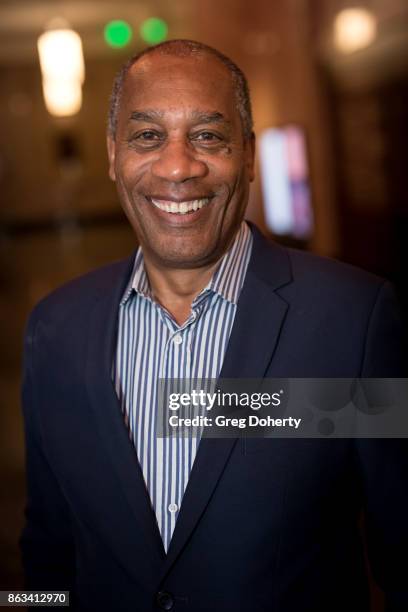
(176, 364)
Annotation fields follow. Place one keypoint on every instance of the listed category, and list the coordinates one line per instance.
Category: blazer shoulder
(357, 310)
(307, 274)
(323, 274)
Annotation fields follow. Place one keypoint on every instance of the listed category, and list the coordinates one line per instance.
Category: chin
(187, 261)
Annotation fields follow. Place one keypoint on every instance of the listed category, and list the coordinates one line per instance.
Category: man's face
(179, 159)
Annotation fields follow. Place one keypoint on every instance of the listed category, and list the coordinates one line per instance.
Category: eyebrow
(198, 116)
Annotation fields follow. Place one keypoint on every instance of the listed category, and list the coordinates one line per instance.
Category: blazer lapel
(258, 322)
(110, 424)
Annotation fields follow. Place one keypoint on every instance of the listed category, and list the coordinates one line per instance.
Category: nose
(177, 163)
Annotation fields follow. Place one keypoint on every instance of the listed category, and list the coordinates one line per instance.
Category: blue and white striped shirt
(152, 346)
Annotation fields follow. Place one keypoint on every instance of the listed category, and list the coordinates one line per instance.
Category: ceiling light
(354, 29)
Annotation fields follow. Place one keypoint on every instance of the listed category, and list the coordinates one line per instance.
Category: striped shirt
(152, 346)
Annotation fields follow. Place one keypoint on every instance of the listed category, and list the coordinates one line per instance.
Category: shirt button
(173, 508)
(164, 600)
(178, 339)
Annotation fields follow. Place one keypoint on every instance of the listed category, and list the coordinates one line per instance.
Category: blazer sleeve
(46, 542)
(383, 463)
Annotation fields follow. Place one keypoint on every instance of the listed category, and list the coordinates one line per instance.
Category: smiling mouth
(180, 208)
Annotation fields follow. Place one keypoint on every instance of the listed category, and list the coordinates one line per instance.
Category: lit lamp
(354, 29)
(63, 71)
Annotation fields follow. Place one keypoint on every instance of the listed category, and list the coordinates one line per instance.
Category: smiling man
(127, 520)
(182, 157)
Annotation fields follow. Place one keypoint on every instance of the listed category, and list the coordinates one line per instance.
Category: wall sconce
(63, 71)
(354, 29)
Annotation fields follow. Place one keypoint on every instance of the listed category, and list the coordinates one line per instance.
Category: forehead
(165, 81)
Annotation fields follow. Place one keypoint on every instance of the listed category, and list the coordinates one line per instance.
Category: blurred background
(329, 82)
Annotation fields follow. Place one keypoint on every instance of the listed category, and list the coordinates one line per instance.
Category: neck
(176, 289)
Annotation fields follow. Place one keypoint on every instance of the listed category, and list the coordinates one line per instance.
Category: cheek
(130, 170)
(226, 173)
(239, 181)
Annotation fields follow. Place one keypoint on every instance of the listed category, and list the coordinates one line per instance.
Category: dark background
(59, 215)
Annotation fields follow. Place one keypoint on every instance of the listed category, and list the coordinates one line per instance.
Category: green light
(153, 30)
(117, 33)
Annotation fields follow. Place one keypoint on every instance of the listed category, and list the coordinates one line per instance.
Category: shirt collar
(227, 280)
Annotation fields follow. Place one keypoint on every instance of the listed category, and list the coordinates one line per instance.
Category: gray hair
(185, 48)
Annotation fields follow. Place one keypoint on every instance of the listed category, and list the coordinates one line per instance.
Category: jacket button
(164, 600)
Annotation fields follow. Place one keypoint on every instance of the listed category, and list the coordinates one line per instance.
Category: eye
(145, 139)
(147, 135)
(207, 138)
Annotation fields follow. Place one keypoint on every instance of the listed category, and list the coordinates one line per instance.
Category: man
(129, 521)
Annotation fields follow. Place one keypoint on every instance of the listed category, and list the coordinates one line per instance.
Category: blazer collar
(128, 482)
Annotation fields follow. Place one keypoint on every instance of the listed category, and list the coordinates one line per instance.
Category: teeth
(180, 208)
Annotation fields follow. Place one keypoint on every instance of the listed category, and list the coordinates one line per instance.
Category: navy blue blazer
(266, 525)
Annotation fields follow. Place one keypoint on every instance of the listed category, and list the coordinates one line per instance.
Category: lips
(179, 208)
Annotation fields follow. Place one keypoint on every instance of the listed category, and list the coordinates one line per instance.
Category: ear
(111, 156)
(250, 156)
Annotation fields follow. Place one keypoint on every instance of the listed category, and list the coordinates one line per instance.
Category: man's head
(180, 138)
